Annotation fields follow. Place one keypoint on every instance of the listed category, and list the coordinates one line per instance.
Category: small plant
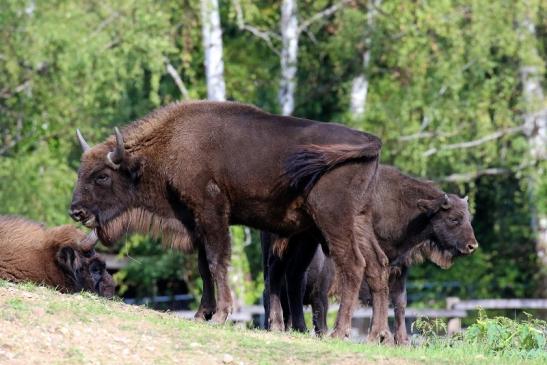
(527, 338)
(431, 330)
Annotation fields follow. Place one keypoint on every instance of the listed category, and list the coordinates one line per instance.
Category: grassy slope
(38, 325)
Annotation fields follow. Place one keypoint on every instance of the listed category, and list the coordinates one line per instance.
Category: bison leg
(397, 292)
(276, 278)
(320, 298)
(320, 307)
(215, 231)
(300, 255)
(377, 277)
(207, 306)
(266, 243)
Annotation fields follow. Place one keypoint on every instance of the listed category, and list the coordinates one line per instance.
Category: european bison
(405, 212)
(58, 257)
(319, 282)
(189, 170)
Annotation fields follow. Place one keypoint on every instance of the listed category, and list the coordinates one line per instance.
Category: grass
(39, 325)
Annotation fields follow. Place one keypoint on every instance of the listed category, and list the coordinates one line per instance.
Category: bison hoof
(402, 340)
(340, 334)
(277, 326)
(219, 317)
(383, 337)
(204, 314)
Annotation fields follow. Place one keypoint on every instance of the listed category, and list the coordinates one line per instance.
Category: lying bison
(410, 219)
(59, 257)
(189, 170)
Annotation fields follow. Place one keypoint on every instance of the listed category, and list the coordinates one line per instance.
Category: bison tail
(309, 162)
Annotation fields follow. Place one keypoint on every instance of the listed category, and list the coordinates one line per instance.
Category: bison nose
(472, 246)
(76, 214)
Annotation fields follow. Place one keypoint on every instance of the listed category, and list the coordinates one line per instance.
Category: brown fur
(31, 252)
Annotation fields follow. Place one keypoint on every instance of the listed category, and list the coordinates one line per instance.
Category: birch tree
(289, 55)
(359, 85)
(535, 123)
(212, 45)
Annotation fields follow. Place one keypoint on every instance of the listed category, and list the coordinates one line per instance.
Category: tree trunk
(359, 85)
(289, 54)
(535, 121)
(212, 45)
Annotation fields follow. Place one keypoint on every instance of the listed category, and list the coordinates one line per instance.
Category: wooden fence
(456, 310)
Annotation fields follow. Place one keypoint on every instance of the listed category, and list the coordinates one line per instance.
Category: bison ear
(68, 259)
(432, 206)
(135, 166)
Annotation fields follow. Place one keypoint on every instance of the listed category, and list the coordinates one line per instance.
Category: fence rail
(455, 311)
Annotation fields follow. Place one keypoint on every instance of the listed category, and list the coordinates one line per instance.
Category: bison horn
(446, 203)
(89, 241)
(115, 157)
(82, 141)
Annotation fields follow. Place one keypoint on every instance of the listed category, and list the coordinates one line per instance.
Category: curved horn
(115, 157)
(82, 141)
(446, 203)
(89, 241)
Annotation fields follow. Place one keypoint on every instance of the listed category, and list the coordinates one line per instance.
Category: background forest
(453, 88)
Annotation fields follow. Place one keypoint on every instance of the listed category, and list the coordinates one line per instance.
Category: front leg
(397, 292)
(207, 306)
(215, 231)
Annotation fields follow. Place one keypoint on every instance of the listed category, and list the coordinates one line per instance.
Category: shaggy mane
(171, 231)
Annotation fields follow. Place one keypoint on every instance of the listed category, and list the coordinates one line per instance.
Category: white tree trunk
(535, 121)
(359, 85)
(289, 55)
(212, 45)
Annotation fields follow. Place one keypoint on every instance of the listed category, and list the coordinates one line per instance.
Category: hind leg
(339, 233)
(336, 202)
(377, 278)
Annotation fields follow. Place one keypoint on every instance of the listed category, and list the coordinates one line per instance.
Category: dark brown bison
(58, 257)
(319, 282)
(409, 219)
(189, 170)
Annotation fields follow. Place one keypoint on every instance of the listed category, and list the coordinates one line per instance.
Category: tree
(359, 85)
(535, 123)
(212, 45)
(289, 55)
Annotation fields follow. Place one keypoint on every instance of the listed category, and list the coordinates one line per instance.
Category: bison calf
(60, 257)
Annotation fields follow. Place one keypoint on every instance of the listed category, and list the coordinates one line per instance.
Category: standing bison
(59, 257)
(409, 219)
(189, 170)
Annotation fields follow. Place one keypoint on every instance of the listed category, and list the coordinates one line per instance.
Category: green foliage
(524, 339)
(527, 338)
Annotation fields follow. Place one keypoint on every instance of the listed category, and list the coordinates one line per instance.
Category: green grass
(38, 323)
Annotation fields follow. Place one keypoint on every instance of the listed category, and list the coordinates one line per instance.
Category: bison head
(107, 183)
(451, 224)
(84, 269)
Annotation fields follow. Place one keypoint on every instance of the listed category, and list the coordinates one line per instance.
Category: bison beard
(171, 231)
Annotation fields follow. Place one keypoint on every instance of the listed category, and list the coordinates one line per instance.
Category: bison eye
(454, 220)
(102, 179)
